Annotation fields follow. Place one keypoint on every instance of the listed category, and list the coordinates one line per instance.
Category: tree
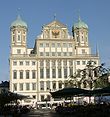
(91, 76)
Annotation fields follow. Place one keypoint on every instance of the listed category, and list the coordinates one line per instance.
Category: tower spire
(18, 14)
(54, 16)
(18, 11)
(97, 50)
(79, 18)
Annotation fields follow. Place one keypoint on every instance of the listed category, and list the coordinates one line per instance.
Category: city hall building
(56, 55)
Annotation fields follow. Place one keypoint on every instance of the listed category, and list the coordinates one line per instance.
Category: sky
(36, 13)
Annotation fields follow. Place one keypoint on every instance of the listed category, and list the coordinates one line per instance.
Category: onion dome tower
(80, 33)
(18, 30)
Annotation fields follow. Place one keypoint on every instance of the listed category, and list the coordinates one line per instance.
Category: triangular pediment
(55, 30)
(56, 23)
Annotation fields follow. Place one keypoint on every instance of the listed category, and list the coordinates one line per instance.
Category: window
(47, 44)
(59, 53)
(53, 63)
(71, 71)
(53, 44)
(13, 37)
(15, 87)
(83, 51)
(21, 63)
(60, 85)
(21, 86)
(65, 72)
(54, 73)
(53, 53)
(24, 37)
(27, 63)
(33, 63)
(33, 74)
(70, 53)
(58, 45)
(41, 53)
(59, 73)
(41, 63)
(33, 86)
(77, 38)
(48, 97)
(18, 51)
(48, 85)
(54, 85)
(41, 73)
(48, 72)
(18, 37)
(14, 63)
(64, 53)
(47, 63)
(27, 86)
(82, 38)
(24, 32)
(41, 85)
(64, 44)
(47, 53)
(70, 44)
(42, 97)
(14, 74)
(78, 62)
(70, 63)
(83, 62)
(21, 74)
(41, 44)
(65, 63)
(59, 63)
(27, 74)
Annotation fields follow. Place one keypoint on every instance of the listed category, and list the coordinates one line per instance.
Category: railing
(23, 55)
(73, 56)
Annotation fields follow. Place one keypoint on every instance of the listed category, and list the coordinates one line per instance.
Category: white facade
(55, 56)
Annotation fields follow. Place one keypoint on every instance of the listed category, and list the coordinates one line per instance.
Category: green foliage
(102, 81)
(91, 76)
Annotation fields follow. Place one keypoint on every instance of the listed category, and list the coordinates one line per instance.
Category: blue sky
(36, 13)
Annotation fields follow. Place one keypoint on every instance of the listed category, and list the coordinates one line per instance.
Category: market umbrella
(97, 92)
(69, 92)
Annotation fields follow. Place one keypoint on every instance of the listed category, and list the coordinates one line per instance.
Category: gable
(56, 24)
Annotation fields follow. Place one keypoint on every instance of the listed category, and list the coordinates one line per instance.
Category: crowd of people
(88, 110)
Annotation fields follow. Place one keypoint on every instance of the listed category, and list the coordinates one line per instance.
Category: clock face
(55, 33)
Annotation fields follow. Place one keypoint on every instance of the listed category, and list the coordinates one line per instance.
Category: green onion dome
(80, 24)
(19, 22)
